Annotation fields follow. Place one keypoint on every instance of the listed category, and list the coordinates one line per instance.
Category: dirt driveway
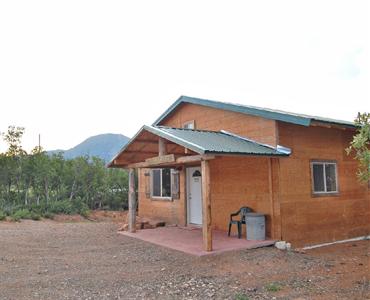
(89, 260)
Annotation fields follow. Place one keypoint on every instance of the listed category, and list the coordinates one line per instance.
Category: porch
(189, 240)
(180, 149)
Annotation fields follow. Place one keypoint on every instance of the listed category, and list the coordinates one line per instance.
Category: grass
(241, 297)
(45, 210)
(273, 287)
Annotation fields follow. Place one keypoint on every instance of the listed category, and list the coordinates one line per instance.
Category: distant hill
(104, 146)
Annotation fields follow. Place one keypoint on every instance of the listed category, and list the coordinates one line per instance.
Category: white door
(194, 195)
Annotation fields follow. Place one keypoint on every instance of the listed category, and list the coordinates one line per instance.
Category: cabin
(201, 160)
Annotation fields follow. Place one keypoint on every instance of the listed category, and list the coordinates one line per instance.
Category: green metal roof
(209, 142)
(278, 115)
(214, 142)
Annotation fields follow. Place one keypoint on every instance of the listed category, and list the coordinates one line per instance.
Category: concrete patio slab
(189, 240)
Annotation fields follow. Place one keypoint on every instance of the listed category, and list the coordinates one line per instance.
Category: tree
(360, 145)
(16, 156)
(41, 180)
(13, 138)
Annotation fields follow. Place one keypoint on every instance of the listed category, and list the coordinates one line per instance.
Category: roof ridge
(267, 113)
(186, 129)
(273, 110)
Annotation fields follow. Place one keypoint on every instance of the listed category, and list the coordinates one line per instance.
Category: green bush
(21, 214)
(61, 207)
(48, 215)
(273, 287)
(2, 215)
(15, 218)
(35, 216)
(46, 210)
(241, 297)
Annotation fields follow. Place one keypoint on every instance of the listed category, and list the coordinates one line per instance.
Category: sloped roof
(214, 142)
(209, 142)
(299, 119)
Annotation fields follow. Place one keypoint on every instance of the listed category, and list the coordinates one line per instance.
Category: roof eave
(235, 108)
(223, 153)
(259, 112)
(160, 133)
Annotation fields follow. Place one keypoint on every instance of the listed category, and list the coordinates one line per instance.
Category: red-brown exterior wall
(280, 188)
(207, 118)
(235, 182)
(170, 211)
(308, 219)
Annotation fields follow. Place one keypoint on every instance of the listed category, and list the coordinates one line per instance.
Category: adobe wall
(208, 118)
(235, 182)
(170, 211)
(308, 219)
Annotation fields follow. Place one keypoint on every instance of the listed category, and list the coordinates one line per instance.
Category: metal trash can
(256, 229)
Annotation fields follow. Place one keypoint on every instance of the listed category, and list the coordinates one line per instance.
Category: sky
(73, 69)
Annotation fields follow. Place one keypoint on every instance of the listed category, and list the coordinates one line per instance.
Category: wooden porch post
(206, 205)
(131, 201)
(162, 150)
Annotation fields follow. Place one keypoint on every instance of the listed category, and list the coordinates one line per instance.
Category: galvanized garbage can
(255, 226)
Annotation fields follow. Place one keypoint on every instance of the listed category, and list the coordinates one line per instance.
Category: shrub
(2, 215)
(15, 218)
(21, 214)
(35, 216)
(46, 210)
(273, 287)
(48, 215)
(80, 207)
(241, 297)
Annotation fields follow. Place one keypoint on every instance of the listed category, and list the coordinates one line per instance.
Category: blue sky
(72, 69)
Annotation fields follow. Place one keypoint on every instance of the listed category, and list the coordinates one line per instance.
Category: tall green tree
(41, 179)
(360, 146)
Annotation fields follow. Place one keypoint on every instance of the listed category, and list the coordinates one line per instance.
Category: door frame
(187, 196)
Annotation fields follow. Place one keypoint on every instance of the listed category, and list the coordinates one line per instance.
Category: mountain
(105, 146)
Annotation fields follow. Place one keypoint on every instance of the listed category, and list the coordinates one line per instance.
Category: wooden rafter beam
(152, 142)
(156, 162)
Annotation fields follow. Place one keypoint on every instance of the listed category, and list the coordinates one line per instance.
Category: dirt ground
(90, 260)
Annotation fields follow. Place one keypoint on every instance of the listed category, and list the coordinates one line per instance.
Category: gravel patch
(90, 260)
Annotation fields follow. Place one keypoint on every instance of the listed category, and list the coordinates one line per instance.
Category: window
(324, 177)
(161, 183)
(189, 125)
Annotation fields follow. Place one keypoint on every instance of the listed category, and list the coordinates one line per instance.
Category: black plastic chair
(241, 212)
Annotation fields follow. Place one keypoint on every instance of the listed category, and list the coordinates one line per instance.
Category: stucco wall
(299, 217)
(235, 182)
(308, 219)
(257, 128)
(170, 211)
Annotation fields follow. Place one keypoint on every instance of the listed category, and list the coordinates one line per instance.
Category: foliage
(2, 215)
(273, 287)
(21, 214)
(360, 145)
(241, 297)
(49, 184)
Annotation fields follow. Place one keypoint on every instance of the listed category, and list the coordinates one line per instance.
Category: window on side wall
(161, 183)
(324, 177)
(189, 125)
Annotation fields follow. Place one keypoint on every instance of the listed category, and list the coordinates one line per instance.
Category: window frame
(191, 122)
(323, 163)
(161, 186)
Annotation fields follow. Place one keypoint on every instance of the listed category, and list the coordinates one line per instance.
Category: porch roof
(204, 142)
(214, 142)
